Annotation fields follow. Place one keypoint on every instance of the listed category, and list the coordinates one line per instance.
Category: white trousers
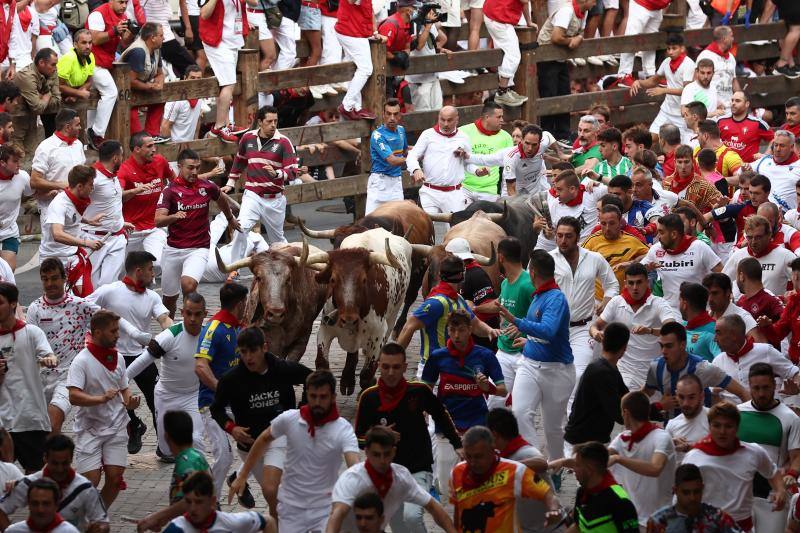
(295, 519)
(505, 39)
(640, 20)
(268, 211)
(765, 520)
(434, 201)
(381, 189)
(150, 240)
(220, 450)
(331, 49)
(285, 39)
(444, 459)
(583, 352)
(98, 118)
(475, 196)
(166, 400)
(108, 263)
(356, 50)
(508, 364)
(426, 96)
(47, 41)
(548, 385)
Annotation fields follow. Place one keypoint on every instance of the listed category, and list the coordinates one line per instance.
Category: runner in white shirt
(692, 424)
(43, 497)
(99, 389)
(442, 149)
(181, 117)
(720, 290)
(568, 198)
(20, 46)
(700, 90)
(393, 483)
(642, 457)
(679, 258)
(23, 349)
(644, 314)
(719, 52)
(782, 167)
(177, 385)
(317, 438)
(14, 184)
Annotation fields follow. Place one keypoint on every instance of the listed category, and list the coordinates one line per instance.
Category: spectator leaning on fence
(146, 75)
(500, 17)
(354, 26)
(76, 70)
(160, 12)
(38, 85)
(426, 91)
(182, 117)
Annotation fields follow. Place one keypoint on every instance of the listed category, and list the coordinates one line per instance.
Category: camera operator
(397, 29)
(426, 92)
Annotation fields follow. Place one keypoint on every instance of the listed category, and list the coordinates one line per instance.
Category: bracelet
(229, 425)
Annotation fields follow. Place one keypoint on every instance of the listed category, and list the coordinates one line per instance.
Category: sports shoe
(316, 92)
(510, 98)
(328, 89)
(236, 129)
(609, 59)
(345, 114)
(787, 72)
(158, 139)
(581, 62)
(93, 140)
(364, 114)
(136, 429)
(168, 459)
(224, 134)
(595, 60)
(625, 81)
(246, 500)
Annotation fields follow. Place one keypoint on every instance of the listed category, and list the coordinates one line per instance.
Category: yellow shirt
(730, 163)
(72, 72)
(626, 248)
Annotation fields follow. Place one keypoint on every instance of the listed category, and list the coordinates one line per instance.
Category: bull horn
(408, 231)
(499, 217)
(247, 262)
(486, 261)
(441, 217)
(316, 258)
(387, 258)
(304, 254)
(322, 234)
(423, 250)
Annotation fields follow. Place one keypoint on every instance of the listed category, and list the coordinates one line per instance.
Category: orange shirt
(491, 506)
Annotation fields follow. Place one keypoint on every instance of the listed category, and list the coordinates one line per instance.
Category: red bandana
(18, 325)
(683, 245)
(677, 184)
(578, 13)
(472, 481)
(700, 320)
(772, 245)
(638, 435)
(382, 482)
(391, 396)
(133, 285)
(5, 28)
(458, 354)
(607, 481)
(226, 317)
(106, 356)
(81, 271)
(305, 414)
(3, 177)
(68, 140)
(578, 200)
(193, 102)
(791, 159)
(629, 299)
(484, 131)
(202, 527)
(49, 527)
(709, 447)
(445, 289)
(440, 132)
(546, 286)
(80, 203)
(744, 350)
(714, 47)
(522, 152)
(675, 64)
(98, 166)
(512, 446)
(63, 484)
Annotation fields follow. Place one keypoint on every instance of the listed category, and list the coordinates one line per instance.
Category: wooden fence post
(247, 69)
(119, 127)
(525, 81)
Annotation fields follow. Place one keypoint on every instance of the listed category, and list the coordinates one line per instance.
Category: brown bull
(284, 298)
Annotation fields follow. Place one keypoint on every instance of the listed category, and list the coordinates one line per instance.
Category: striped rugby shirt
(255, 152)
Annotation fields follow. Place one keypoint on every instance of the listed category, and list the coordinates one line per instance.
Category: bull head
(441, 217)
(375, 258)
(498, 218)
(321, 234)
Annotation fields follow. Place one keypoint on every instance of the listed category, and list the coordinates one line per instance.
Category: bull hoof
(347, 385)
(367, 376)
(321, 362)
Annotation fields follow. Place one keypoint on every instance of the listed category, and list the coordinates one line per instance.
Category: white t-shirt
(691, 265)
(89, 375)
(96, 22)
(427, 50)
(355, 481)
(648, 494)
(585, 212)
(312, 463)
(20, 43)
(663, 202)
(160, 12)
(11, 193)
(177, 364)
(749, 322)
(578, 285)
(779, 424)
(694, 92)
(61, 211)
(761, 353)
(9, 472)
(22, 392)
(775, 269)
(642, 349)
(22, 527)
(691, 429)
(675, 80)
(136, 308)
(6, 274)
(728, 479)
(783, 178)
(232, 24)
(107, 199)
(244, 522)
(50, 17)
(724, 73)
(184, 119)
(54, 158)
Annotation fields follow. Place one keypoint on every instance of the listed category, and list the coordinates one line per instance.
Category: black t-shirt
(478, 289)
(593, 512)
(597, 404)
(727, 226)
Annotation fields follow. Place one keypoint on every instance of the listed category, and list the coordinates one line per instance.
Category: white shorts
(426, 96)
(302, 519)
(665, 117)
(93, 452)
(475, 196)
(381, 189)
(610, 4)
(260, 22)
(179, 262)
(152, 241)
(223, 63)
(435, 201)
(58, 396)
(176, 401)
(275, 456)
(471, 4)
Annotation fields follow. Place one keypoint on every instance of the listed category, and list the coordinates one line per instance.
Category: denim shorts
(10, 244)
(310, 18)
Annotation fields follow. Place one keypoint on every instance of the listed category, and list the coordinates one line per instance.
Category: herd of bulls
(366, 284)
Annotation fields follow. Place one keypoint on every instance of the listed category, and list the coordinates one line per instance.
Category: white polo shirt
(578, 286)
(761, 353)
(184, 119)
(733, 309)
(691, 429)
(355, 481)
(54, 158)
(61, 211)
(312, 463)
(776, 270)
(782, 177)
(675, 80)
(107, 199)
(22, 392)
(440, 165)
(11, 193)
(691, 265)
(89, 375)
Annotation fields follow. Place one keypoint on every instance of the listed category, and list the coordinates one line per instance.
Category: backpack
(74, 13)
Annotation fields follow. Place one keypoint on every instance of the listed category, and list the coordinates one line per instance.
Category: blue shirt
(433, 313)
(700, 341)
(458, 389)
(547, 322)
(218, 346)
(637, 215)
(384, 142)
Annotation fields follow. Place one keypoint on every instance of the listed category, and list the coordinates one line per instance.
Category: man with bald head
(442, 149)
(782, 233)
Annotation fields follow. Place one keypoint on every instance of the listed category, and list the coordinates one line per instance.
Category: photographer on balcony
(397, 29)
(426, 91)
(146, 75)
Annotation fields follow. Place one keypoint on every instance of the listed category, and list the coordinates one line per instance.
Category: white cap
(460, 248)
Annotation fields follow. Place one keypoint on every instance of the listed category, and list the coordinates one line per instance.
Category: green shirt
(485, 144)
(592, 153)
(187, 463)
(607, 170)
(72, 72)
(516, 297)
(701, 236)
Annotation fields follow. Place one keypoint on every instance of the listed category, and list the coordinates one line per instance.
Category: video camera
(420, 16)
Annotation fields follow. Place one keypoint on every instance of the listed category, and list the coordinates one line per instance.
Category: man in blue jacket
(546, 375)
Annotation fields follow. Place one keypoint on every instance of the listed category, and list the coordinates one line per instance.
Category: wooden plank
(525, 80)
(330, 156)
(273, 80)
(179, 90)
(422, 120)
(331, 189)
(324, 133)
(246, 64)
(210, 147)
(455, 61)
(119, 126)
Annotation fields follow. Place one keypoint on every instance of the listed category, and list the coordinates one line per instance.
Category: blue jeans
(409, 518)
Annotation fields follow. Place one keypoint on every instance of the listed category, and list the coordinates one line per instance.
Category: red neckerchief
(381, 482)
(512, 446)
(744, 350)
(458, 354)
(713, 47)
(546, 286)
(522, 152)
(391, 396)
(471, 481)
(98, 166)
(57, 520)
(226, 317)
(25, 19)
(202, 527)
(305, 414)
(626, 295)
(675, 64)
(578, 13)
(607, 481)
(81, 271)
(469, 264)
(709, 447)
(638, 435)
(193, 102)
(440, 132)
(106, 356)
(133, 285)
(183, 183)
(578, 200)
(683, 245)
(677, 184)
(5, 28)
(80, 203)
(63, 484)
(771, 246)
(6, 178)
(18, 325)
(700, 320)
(445, 289)
(584, 149)
(791, 159)
(68, 140)
(484, 131)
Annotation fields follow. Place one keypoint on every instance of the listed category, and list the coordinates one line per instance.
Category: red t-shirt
(762, 303)
(794, 129)
(398, 32)
(744, 136)
(354, 20)
(140, 210)
(192, 231)
(323, 7)
(506, 11)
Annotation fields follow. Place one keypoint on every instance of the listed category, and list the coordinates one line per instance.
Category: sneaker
(158, 139)
(135, 432)
(579, 61)
(610, 60)
(518, 97)
(224, 134)
(364, 114)
(246, 500)
(327, 89)
(595, 60)
(345, 114)
(316, 92)
(510, 99)
(236, 129)
(93, 140)
(787, 72)
(625, 81)
(169, 459)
